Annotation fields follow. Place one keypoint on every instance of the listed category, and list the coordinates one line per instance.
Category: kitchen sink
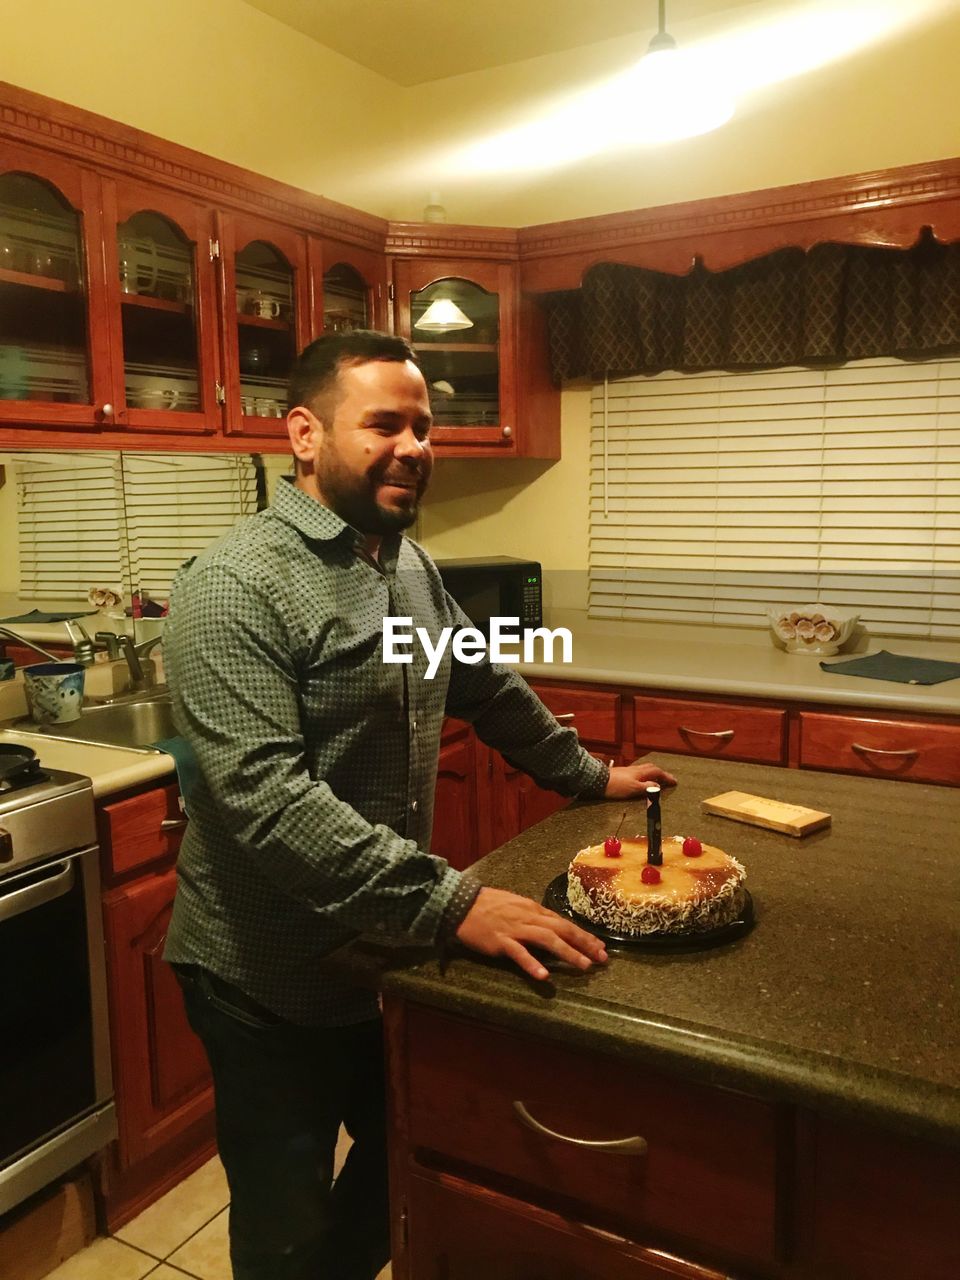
(120, 724)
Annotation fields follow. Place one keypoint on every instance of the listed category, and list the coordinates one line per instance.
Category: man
(309, 823)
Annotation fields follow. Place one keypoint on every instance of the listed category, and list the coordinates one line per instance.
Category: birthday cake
(696, 887)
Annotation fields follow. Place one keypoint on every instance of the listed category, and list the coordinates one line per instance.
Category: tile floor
(184, 1234)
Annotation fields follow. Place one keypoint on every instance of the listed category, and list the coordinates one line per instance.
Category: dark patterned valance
(833, 303)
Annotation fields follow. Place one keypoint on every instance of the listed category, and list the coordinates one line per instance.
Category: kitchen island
(797, 1092)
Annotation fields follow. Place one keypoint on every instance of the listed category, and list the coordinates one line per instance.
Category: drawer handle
(725, 734)
(615, 1146)
(173, 824)
(908, 753)
(566, 715)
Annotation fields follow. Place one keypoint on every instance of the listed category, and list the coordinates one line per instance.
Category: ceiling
(414, 41)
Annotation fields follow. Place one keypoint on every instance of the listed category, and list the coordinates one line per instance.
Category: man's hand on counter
(628, 781)
(499, 923)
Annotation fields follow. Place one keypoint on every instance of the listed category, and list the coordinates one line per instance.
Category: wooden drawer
(708, 1172)
(737, 731)
(881, 748)
(595, 714)
(132, 831)
(463, 1232)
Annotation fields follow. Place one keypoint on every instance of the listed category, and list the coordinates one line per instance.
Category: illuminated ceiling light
(676, 96)
(443, 316)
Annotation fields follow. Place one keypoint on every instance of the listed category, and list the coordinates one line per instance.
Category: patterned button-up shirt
(317, 760)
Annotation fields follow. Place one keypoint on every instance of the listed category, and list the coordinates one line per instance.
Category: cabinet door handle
(725, 734)
(908, 753)
(173, 824)
(614, 1146)
(566, 715)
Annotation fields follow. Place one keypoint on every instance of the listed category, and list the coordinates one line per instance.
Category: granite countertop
(843, 997)
(740, 662)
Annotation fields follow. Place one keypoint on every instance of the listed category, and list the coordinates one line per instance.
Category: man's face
(372, 462)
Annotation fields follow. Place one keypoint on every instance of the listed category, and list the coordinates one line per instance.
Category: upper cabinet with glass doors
(460, 318)
(266, 310)
(54, 360)
(166, 362)
(350, 287)
(483, 353)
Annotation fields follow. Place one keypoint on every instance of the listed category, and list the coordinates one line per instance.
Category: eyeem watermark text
(506, 644)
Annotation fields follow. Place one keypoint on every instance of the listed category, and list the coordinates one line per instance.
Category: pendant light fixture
(443, 316)
(678, 94)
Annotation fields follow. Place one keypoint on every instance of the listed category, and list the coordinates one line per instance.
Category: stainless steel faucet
(12, 635)
(133, 653)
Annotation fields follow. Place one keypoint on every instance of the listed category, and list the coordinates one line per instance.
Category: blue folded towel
(188, 771)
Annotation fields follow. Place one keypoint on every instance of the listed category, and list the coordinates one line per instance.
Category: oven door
(54, 1051)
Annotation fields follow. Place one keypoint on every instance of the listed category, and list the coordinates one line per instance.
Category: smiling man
(310, 822)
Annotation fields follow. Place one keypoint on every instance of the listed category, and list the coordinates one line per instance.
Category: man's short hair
(315, 373)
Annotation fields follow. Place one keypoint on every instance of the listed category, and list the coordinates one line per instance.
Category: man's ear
(304, 429)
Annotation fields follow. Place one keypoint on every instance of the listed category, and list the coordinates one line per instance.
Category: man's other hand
(500, 923)
(628, 781)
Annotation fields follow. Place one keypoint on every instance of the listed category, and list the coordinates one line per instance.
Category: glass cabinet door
(46, 357)
(265, 307)
(162, 288)
(350, 289)
(461, 327)
(345, 300)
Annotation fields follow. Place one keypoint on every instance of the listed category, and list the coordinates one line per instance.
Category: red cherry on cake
(650, 875)
(611, 847)
(692, 847)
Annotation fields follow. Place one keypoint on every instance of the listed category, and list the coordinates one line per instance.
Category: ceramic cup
(54, 691)
(260, 305)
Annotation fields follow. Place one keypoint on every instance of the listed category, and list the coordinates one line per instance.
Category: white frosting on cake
(694, 894)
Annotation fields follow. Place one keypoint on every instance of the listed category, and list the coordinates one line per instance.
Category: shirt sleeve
(234, 683)
(509, 716)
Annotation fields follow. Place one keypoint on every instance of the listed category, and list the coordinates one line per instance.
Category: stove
(55, 1077)
(46, 813)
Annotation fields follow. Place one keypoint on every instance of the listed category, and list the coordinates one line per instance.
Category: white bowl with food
(819, 629)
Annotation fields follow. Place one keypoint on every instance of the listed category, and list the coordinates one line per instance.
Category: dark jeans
(281, 1093)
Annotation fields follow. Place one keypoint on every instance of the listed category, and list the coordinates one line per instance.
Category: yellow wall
(220, 76)
(215, 75)
(888, 104)
(535, 510)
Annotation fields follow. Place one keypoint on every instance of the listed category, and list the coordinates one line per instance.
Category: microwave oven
(495, 587)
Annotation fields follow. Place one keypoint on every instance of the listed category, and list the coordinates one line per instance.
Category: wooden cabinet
(724, 1184)
(349, 287)
(55, 365)
(737, 731)
(164, 1095)
(681, 1132)
(463, 318)
(266, 320)
(460, 1231)
(923, 751)
(876, 1206)
(456, 834)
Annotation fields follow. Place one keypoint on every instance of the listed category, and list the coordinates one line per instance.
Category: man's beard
(353, 499)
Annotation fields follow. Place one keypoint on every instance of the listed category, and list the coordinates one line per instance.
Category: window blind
(176, 505)
(70, 525)
(716, 495)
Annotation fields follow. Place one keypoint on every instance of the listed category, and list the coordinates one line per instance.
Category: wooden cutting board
(776, 815)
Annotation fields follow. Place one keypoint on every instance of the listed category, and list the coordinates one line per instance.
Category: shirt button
(414, 805)
(413, 725)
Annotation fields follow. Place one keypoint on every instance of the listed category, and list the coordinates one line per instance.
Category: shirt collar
(321, 524)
